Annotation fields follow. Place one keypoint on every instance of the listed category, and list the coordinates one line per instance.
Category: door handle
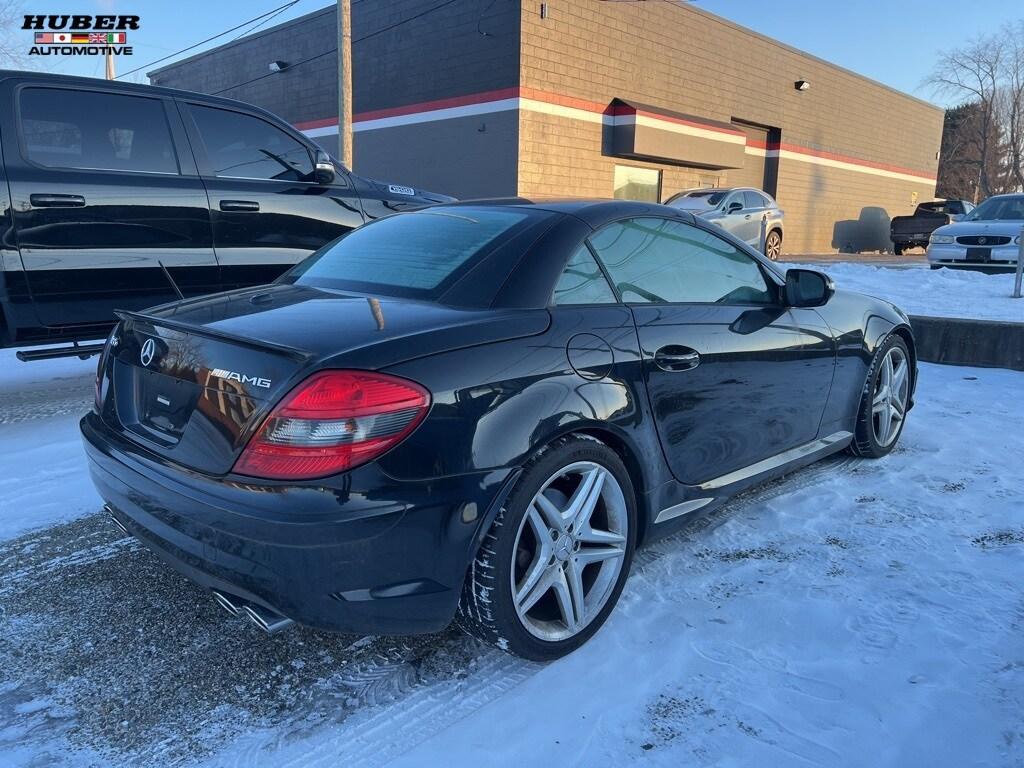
(57, 201)
(239, 205)
(676, 358)
(747, 216)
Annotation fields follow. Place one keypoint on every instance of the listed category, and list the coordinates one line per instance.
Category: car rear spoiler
(195, 330)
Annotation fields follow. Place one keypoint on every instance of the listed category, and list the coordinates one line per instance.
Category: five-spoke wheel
(554, 562)
(569, 550)
(892, 392)
(886, 399)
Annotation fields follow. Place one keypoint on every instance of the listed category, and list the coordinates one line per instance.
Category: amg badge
(241, 378)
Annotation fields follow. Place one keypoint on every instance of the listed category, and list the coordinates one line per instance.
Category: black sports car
(478, 411)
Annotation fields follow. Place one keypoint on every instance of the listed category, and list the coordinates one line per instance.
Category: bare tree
(974, 73)
(12, 39)
(1011, 101)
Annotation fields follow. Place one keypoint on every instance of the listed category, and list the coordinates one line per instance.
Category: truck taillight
(332, 422)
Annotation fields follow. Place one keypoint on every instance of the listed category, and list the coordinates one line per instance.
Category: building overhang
(643, 132)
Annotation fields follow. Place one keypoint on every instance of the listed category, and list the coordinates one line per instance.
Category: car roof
(126, 87)
(593, 211)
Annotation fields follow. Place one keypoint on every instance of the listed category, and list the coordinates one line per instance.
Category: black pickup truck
(914, 231)
(112, 194)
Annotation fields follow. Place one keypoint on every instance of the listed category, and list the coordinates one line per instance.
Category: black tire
(864, 442)
(898, 250)
(486, 609)
(773, 245)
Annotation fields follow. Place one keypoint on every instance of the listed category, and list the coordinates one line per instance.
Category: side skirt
(763, 470)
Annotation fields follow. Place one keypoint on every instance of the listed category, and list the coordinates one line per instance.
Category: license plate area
(164, 404)
(154, 405)
(979, 254)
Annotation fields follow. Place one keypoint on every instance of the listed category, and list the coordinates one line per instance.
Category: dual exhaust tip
(267, 620)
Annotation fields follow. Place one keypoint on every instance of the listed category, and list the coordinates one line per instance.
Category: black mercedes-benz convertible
(477, 412)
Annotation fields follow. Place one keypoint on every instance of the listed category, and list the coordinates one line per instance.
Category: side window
(753, 200)
(66, 128)
(734, 198)
(664, 261)
(243, 146)
(582, 282)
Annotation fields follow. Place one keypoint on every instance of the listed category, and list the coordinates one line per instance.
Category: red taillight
(332, 422)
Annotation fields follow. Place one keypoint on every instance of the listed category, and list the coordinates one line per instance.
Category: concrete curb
(956, 341)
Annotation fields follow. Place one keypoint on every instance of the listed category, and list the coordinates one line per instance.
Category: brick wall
(585, 53)
(682, 59)
(307, 92)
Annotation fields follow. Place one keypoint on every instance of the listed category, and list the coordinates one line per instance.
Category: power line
(274, 11)
(381, 31)
(262, 23)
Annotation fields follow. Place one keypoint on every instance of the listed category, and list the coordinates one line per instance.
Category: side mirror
(734, 207)
(323, 171)
(808, 288)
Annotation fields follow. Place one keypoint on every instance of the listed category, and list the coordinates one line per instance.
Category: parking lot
(818, 620)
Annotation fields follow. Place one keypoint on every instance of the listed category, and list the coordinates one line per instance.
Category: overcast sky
(896, 42)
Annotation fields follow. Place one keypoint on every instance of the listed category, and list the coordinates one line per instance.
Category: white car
(986, 238)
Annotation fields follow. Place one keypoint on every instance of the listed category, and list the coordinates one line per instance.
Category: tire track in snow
(306, 698)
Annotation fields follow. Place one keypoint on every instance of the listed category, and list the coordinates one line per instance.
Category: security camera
(802, 85)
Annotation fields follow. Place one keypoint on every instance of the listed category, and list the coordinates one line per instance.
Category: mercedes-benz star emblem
(148, 353)
(982, 240)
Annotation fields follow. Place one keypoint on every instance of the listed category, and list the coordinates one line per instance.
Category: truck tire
(897, 249)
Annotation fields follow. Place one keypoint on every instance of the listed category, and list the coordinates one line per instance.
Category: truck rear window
(416, 255)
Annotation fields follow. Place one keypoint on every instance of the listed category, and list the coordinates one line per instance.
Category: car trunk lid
(193, 381)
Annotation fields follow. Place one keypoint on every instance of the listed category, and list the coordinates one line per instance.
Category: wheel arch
(905, 333)
(634, 468)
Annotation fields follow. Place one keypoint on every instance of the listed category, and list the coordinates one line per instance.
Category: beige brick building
(597, 98)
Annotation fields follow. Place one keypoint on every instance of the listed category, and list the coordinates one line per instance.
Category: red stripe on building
(311, 124)
(597, 108)
(430, 106)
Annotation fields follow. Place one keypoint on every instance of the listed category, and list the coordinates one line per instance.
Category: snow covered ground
(857, 613)
(54, 393)
(919, 290)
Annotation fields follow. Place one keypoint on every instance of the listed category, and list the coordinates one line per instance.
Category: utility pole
(110, 66)
(345, 82)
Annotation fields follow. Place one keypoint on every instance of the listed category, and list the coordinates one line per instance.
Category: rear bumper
(917, 242)
(360, 553)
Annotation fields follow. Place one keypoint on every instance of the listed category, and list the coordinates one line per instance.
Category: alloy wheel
(773, 246)
(569, 551)
(889, 400)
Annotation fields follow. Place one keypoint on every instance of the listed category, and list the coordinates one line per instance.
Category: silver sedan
(986, 238)
(739, 211)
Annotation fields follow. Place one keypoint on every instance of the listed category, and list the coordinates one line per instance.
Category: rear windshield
(414, 255)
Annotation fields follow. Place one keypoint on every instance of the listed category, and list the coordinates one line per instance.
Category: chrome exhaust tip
(266, 620)
(120, 526)
(225, 603)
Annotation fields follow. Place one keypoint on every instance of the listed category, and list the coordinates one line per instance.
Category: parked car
(739, 211)
(477, 411)
(986, 238)
(914, 231)
(115, 186)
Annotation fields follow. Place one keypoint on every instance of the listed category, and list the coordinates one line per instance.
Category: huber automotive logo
(69, 35)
